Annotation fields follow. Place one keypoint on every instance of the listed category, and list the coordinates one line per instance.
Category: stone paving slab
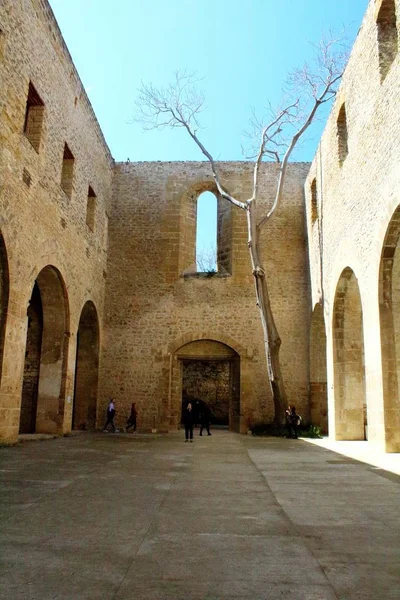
(118, 517)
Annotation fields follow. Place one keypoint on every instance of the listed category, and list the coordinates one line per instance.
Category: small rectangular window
(91, 209)
(34, 115)
(67, 173)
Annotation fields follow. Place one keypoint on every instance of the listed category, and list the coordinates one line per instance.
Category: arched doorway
(43, 389)
(318, 377)
(209, 371)
(87, 369)
(389, 310)
(348, 355)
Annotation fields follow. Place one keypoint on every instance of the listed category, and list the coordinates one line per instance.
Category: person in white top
(110, 416)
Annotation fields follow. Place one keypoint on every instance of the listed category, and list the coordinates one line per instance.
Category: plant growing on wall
(308, 88)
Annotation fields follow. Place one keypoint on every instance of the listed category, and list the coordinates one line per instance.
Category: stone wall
(43, 107)
(353, 230)
(156, 303)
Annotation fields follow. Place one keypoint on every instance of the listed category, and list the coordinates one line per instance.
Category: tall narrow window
(387, 36)
(206, 233)
(34, 114)
(314, 201)
(67, 173)
(91, 209)
(105, 233)
(343, 149)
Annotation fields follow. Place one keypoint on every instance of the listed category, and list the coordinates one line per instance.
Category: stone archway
(43, 389)
(389, 311)
(210, 371)
(348, 356)
(318, 371)
(86, 370)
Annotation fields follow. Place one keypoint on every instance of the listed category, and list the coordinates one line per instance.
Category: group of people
(194, 412)
(131, 421)
(293, 421)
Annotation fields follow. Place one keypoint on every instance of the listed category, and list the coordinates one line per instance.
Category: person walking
(131, 422)
(110, 416)
(205, 415)
(188, 421)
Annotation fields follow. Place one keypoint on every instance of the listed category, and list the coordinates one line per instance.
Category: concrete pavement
(104, 516)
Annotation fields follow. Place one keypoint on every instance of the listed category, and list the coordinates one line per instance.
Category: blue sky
(242, 49)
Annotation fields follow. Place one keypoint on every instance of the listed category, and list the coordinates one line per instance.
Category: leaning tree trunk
(272, 341)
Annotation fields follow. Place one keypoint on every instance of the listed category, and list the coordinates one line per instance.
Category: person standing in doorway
(131, 422)
(110, 416)
(205, 416)
(188, 421)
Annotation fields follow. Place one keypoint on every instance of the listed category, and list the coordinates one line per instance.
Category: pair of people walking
(191, 415)
(131, 422)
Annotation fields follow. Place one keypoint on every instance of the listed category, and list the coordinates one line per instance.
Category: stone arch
(216, 336)
(318, 369)
(214, 367)
(86, 369)
(389, 312)
(44, 382)
(188, 225)
(4, 295)
(348, 359)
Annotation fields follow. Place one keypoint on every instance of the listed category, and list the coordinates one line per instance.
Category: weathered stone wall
(41, 224)
(152, 309)
(357, 196)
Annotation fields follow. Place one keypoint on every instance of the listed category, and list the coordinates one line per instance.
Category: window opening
(206, 233)
(342, 134)
(314, 201)
(67, 171)
(91, 209)
(387, 36)
(34, 114)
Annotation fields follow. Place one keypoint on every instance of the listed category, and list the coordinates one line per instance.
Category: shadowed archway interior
(318, 375)
(86, 370)
(43, 390)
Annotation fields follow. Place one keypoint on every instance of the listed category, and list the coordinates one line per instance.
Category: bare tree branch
(307, 89)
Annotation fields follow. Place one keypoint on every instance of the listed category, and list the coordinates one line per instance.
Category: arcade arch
(86, 369)
(389, 311)
(43, 389)
(348, 356)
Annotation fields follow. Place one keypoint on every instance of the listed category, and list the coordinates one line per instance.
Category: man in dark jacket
(188, 420)
(205, 415)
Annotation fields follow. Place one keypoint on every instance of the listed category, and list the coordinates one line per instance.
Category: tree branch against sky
(115, 45)
(179, 105)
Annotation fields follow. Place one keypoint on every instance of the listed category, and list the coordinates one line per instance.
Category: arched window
(387, 36)
(206, 233)
(314, 201)
(342, 134)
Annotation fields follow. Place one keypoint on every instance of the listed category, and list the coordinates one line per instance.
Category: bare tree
(307, 89)
(206, 259)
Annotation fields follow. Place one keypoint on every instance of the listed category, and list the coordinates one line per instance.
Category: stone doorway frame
(169, 419)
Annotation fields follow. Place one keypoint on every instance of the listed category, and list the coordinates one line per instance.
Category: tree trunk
(272, 341)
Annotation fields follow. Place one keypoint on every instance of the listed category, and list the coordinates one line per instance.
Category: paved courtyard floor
(104, 516)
